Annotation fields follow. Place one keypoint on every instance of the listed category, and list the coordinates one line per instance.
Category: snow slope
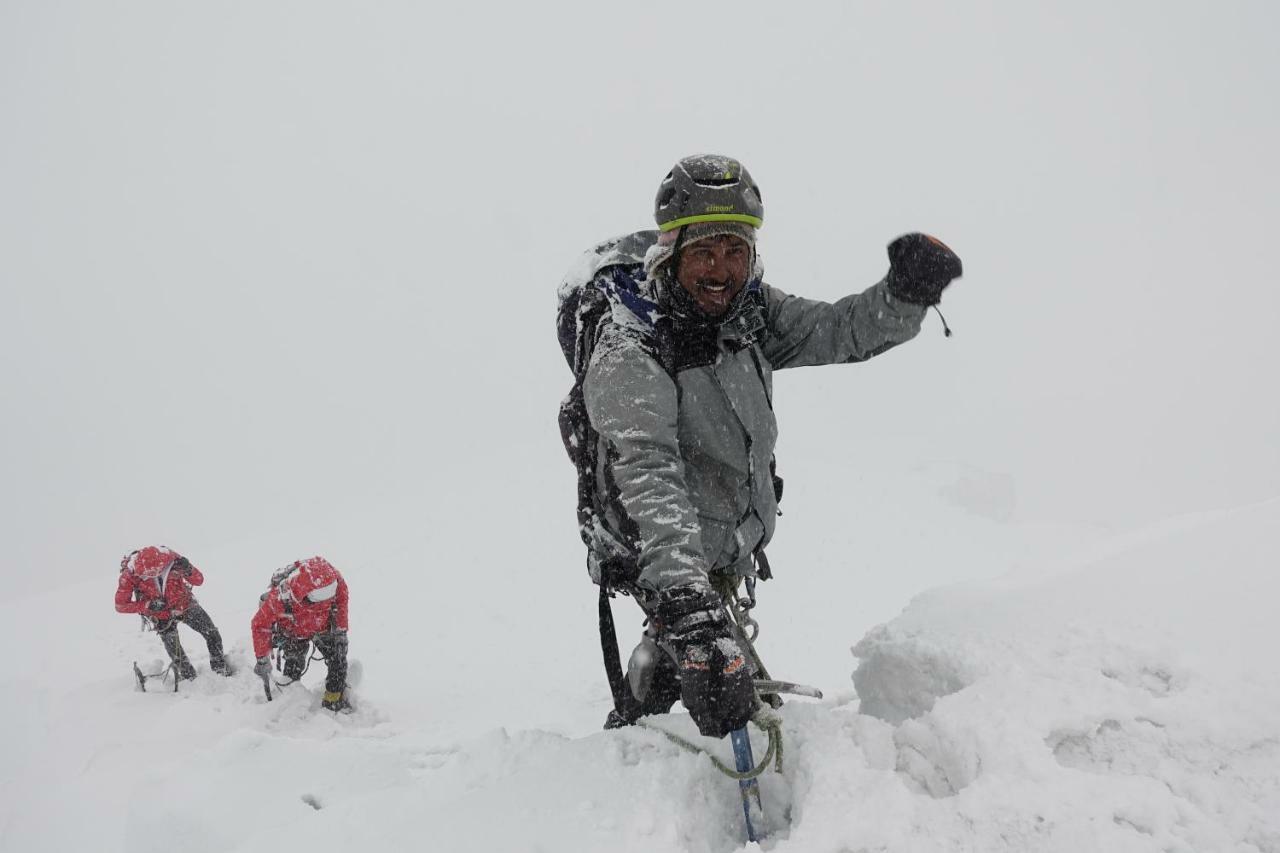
(1121, 702)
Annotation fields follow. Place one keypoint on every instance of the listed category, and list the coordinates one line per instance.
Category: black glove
(157, 605)
(182, 566)
(920, 268)
(262, 668)
(715, 679)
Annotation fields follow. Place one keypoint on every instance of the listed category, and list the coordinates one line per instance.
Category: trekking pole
(266, 685)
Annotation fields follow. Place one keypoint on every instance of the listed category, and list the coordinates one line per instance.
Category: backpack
(584, 310)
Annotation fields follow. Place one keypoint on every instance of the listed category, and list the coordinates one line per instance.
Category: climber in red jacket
(307, 603)
(156, 582)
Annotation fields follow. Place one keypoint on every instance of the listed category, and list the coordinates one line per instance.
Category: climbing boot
(336, 702)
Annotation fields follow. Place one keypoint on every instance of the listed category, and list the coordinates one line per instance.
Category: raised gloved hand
(262, 668)
(920, 268)
(157, 605)
(181, 566)
(715, 680)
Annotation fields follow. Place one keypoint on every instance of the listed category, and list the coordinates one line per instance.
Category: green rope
(764, 717)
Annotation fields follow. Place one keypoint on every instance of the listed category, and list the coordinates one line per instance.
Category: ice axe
(142, 677)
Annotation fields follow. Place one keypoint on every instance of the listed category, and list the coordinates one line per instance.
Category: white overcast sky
(267, 265)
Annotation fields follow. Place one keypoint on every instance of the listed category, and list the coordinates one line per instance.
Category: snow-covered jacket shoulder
(685, 418)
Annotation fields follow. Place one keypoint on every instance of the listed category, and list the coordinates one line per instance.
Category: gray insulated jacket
(686, 425)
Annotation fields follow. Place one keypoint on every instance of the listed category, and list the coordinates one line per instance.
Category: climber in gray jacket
(678, 392)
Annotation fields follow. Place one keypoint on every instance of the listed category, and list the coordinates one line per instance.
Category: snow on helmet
(313, 577)
(150, 562)
(708, 188)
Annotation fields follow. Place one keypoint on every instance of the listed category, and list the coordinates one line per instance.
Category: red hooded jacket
(286, 606)
(133, 594)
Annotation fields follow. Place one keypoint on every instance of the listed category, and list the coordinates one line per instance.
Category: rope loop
(768, 722)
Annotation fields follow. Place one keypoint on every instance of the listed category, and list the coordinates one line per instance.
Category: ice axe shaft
(749, 789)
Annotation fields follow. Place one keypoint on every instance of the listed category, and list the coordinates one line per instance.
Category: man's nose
(718, 269)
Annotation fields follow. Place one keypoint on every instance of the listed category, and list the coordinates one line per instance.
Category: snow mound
(1123, 704)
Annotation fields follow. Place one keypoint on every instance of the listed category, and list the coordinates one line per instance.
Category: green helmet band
(753, 221)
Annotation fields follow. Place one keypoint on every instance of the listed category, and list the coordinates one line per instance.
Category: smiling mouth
(713, 288)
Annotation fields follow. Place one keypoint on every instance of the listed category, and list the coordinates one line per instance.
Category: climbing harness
(313, 654)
